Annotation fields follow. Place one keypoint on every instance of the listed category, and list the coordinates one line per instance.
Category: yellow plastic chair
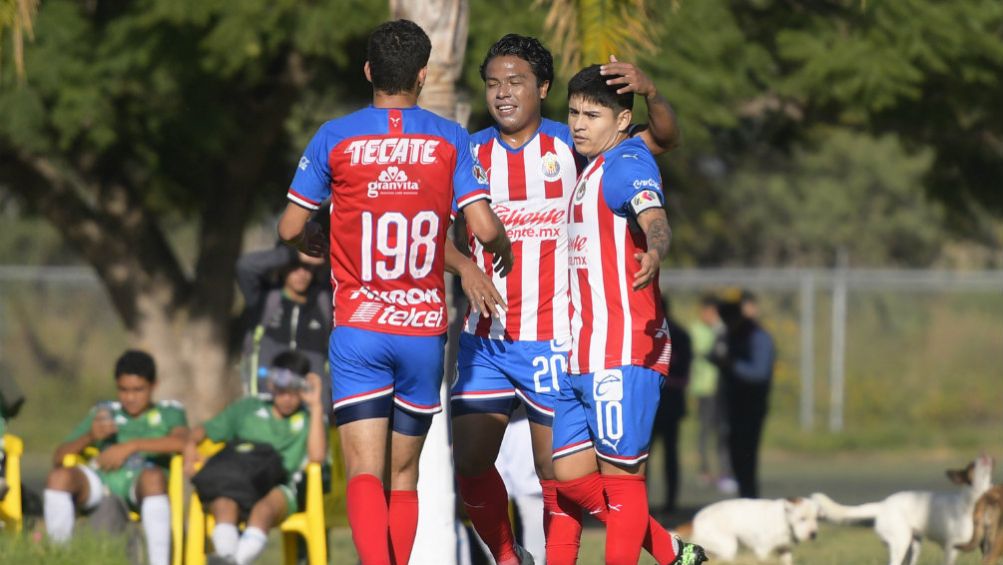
(308, 524)
(175, 494)
(11, 513)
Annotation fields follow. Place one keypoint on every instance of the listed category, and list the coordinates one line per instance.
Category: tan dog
(903, 519)
(987, 521)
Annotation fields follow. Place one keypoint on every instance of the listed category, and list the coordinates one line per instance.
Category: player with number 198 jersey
(395, 174)
(391, 175)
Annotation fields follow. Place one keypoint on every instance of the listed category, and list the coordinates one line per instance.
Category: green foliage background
(780, 103)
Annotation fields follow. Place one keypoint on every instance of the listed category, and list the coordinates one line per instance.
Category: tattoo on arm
(659, 234)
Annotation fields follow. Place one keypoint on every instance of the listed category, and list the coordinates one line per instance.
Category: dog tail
(684, 531)
(837, 513)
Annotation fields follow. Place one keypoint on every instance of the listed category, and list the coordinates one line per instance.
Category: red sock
(562, 525)
(403, 518)
(367, 515)
(586, 492)
(486, 502)
(659, 542)
(628, 518)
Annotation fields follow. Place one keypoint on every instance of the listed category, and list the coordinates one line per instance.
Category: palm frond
(589, 31)
(19, 16)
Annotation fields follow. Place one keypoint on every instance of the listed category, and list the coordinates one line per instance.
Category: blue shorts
(611, 411)
(494, 375)
(380, 375)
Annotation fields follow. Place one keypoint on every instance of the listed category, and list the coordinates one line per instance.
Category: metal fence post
(807, 350)
(837, 364)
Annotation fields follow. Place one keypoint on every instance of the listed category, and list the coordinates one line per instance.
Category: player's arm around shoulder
(655, 224)
(661, 133)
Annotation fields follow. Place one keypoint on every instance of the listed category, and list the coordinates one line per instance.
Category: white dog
(764, 526)
(903, 519)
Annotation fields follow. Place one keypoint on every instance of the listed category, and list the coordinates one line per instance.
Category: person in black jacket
(746, 376)
(288, 307)
(672, 407)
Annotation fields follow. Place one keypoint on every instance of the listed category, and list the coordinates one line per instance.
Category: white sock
(252, 543)
(59, 515)
(155, 511)
(224, 539)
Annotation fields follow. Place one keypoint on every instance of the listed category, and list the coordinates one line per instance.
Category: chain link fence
(914, 351)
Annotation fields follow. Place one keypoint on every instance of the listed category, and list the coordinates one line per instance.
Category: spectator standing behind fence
(672, 407)
(288, 307)
(706, 333)
(746, 375)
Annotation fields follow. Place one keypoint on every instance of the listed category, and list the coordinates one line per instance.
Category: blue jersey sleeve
(312, 182)
(470, 180)
(631, 182)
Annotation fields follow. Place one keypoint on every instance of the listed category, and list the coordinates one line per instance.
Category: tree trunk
(192, 362)
(446, 23)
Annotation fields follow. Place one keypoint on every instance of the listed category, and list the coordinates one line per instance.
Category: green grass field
(923, 389)
(850, 477)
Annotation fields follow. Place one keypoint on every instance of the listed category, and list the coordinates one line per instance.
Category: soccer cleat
(689, 554)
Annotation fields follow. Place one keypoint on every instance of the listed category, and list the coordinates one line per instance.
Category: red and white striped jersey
(613, 325)
(530, 190)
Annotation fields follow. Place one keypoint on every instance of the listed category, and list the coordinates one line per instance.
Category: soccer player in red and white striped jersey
(618, 234)
(520, 354)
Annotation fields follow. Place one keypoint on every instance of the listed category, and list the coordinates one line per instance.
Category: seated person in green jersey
(135, 438)
(292, 422)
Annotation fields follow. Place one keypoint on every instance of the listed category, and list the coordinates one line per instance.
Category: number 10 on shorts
(607, 391)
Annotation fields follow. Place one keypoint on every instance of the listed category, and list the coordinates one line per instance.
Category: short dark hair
(396, 51)
(292, 360)
(136, 362)
(591, 86)
(528, 49)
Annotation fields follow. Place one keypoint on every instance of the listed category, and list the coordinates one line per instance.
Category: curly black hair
(135, 362)
(396, 52)
(591, 86)
(528, 49)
